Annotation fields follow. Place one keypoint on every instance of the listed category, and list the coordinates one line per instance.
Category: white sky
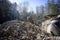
(32, 3)
(12, 1)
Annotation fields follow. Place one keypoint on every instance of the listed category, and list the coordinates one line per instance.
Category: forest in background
(13, 11)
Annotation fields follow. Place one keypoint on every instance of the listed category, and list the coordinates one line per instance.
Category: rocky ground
(19, 30)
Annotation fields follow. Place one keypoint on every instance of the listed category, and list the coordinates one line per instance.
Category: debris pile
(18, 30)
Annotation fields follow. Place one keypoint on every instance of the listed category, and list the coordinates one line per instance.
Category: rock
(29, 19)
(19, 30)
(52, 26)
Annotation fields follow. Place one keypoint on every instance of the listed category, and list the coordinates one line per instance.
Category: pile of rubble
(19, 30)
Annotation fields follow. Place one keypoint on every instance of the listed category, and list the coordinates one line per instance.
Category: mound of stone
(19, 30)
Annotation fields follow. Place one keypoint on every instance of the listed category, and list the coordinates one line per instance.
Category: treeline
(9, 11)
